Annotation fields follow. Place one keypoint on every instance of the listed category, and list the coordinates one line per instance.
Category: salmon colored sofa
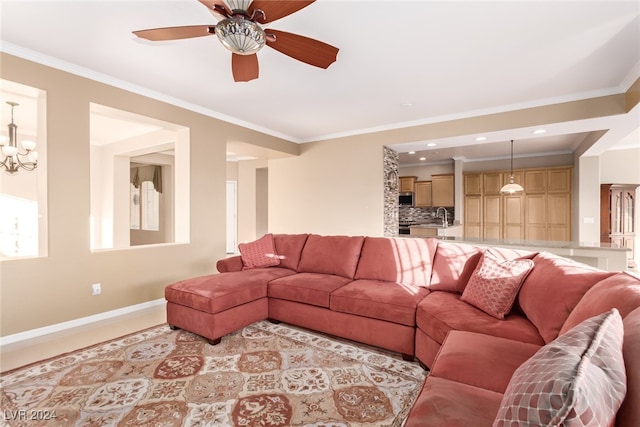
(482, 320)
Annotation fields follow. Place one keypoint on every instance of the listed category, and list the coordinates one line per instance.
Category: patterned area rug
(263, 375)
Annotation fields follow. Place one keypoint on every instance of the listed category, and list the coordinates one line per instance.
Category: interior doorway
(232, 217)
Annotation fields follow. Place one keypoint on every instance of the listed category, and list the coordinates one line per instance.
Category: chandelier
(511, 187)
(13, 158)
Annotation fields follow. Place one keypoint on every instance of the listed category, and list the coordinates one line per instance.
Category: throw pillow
(578, 379)
(259, 253)
(495, 283)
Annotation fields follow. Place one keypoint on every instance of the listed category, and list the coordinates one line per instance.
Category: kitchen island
(600, 255)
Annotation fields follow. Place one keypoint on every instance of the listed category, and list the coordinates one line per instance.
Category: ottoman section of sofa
(199, 304)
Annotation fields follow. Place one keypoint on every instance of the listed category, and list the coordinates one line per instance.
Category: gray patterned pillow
(576, 380)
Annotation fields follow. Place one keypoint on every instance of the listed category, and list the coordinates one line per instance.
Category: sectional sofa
(488, 323)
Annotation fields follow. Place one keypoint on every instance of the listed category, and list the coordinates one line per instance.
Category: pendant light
(511, 187)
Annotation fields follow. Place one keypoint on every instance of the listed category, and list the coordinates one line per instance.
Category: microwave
(405, 199)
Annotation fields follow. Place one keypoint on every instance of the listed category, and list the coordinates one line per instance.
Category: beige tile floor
(40, 348)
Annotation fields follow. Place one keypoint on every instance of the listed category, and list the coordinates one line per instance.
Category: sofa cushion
(398, 260)
(470, 358)
(393, 302)
(446, 403)
(440, 312)
(553, 289)
(218, 292)
(578, 379)
(495, 283)
(289, 247)
(331, 255)
(308, 288)
(259, 253)
(453, 265)
(629, 413)
(621, 291)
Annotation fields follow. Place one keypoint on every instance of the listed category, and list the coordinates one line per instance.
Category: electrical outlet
(96, 289)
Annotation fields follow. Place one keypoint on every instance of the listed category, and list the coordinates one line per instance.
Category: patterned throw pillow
(260, 253)
(495, 283)
(578, 379)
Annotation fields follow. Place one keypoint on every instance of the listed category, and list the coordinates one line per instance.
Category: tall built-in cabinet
(617, 217)
(541, 212)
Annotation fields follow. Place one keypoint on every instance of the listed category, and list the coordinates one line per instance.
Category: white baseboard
(58, 327)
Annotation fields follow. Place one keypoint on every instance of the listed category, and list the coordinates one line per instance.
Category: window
(145, 207)
(18, 227)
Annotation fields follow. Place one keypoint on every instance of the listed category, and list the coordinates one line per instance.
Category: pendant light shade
(511, 187)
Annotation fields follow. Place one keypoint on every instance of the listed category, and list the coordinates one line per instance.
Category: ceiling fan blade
(274, 10)
(310, 51)
(217, 8)
(175, 33)
(244, 67)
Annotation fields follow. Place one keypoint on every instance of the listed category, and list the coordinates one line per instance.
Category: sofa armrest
(233, 263)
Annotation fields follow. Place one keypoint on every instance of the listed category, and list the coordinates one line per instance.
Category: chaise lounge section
(474, 316)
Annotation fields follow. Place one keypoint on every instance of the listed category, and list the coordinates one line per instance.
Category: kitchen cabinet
(407, 184)
(422, 197)
(442, 190)
(617, 217)
(541, 212)
(472, 184)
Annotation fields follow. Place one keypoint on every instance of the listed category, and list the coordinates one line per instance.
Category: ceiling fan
(239, 30)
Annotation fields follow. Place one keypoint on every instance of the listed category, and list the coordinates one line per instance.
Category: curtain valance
(147, 173)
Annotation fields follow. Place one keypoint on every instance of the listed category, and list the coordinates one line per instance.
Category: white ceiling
(400, 63)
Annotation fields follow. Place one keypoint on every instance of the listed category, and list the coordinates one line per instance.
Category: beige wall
(333, 187)
(43, 291)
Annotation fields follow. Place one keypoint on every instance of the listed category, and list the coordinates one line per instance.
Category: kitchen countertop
(600, 255)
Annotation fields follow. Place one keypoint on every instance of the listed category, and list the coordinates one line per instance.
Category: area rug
(263, 375)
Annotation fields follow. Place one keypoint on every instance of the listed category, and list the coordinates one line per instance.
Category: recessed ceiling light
(406, 105)
(432, 144)
(412, 152)
(539, 131)
(423, 158)
(481, 138)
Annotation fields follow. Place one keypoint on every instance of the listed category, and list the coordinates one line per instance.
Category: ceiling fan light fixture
(238, 5)
(241, 36)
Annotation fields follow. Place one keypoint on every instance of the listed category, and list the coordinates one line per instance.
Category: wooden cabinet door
(442, 190)
(472, 184)
(559, 216)
(492, 182)
(535, 181)
(535, 217)
(492, 216)
(559, 180)
(423, 194)
(513, 217)
(407, 183)
(473, 217)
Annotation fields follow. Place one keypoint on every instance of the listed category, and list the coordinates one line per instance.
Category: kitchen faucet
(445, 221)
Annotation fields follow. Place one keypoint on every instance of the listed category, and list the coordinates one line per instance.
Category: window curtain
(147, 173)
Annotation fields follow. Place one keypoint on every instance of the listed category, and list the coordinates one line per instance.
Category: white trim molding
(58, 327)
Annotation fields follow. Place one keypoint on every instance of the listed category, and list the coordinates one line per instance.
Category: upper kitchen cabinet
(423, 191)
(442, 190)
(407, 184)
